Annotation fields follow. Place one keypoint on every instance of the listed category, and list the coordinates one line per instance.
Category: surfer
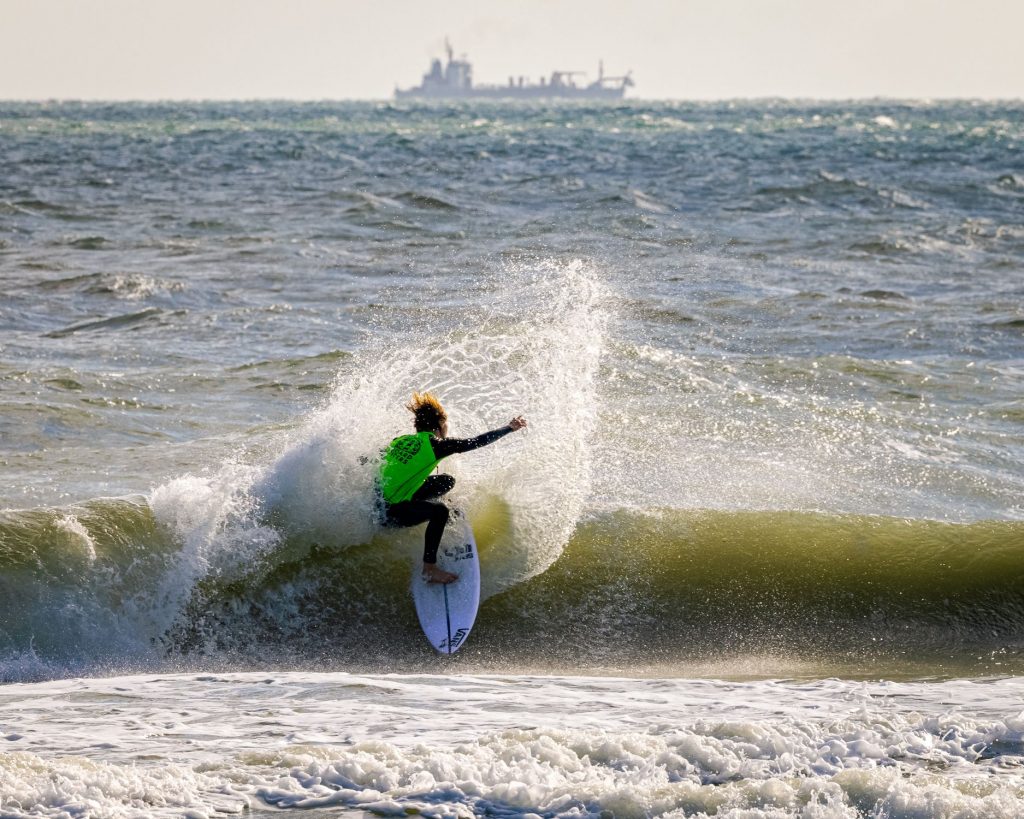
(409, 492)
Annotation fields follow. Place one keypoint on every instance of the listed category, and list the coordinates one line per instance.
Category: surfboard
(447, 611)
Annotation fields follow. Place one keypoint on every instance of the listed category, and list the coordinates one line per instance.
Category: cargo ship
(454, 80)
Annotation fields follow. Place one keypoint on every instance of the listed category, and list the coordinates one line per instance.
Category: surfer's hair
(428, 414)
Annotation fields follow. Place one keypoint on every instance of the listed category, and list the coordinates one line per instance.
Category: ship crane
(556, 76)
(623, 82)
(626, 79)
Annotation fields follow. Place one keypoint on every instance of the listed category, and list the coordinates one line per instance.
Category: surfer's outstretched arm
(443, 447)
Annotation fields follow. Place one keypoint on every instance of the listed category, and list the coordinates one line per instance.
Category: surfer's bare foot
(432, 574)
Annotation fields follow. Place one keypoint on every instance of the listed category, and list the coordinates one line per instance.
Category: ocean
(760, 552)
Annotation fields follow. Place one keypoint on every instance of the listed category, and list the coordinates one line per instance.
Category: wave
(86, 242)
(120, 322)
(657, 589)
(107, 584)
(425, 201)
(311, 484)
(127, 286)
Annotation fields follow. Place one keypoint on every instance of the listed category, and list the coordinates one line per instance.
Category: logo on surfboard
(455, 641)
(457, 553)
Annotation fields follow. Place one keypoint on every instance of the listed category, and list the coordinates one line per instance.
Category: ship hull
(512, 93)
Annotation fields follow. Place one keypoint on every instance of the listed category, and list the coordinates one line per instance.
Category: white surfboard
(447, 611)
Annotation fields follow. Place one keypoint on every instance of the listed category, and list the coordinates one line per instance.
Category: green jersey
(408, 460)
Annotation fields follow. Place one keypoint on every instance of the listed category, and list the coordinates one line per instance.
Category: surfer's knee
(445, 483)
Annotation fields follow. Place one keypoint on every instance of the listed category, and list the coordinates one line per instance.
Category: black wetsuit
(423, 507)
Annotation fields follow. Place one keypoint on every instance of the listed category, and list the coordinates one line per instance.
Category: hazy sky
(334, 49)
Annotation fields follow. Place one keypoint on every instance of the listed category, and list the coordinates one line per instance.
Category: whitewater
(759, 554)
(512, 746)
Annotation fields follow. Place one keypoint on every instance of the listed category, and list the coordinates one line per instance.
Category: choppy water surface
(771, 354)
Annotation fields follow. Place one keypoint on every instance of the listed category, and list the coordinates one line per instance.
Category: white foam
(76, 786)
(217, 523)
(73, 526)
(134, 286)
(511, 746)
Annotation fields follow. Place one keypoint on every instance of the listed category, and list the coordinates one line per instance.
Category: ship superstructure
(454, 80)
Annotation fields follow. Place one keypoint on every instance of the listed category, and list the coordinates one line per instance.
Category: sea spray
(536, 352)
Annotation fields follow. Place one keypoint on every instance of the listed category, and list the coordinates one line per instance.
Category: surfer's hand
(517, 423)
(433, 574)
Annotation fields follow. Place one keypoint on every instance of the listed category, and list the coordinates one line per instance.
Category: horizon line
(493, 101)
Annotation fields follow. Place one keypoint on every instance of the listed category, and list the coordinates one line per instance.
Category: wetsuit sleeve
(443, 447)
